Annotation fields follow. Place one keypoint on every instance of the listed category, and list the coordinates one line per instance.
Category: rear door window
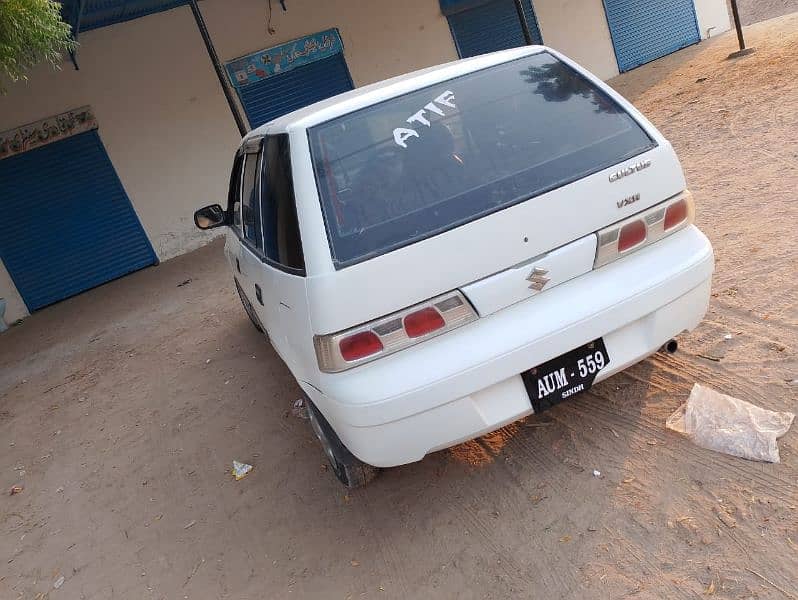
(283, 244)
(234, 195)
(250, 201)
(417, 165)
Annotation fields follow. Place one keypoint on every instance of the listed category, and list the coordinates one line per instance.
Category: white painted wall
(381, 38)
(163, 117)
(713, 17)
(578, 29)
(15, 307)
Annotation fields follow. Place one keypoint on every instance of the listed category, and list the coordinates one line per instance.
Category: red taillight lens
(423, 321)
(360, 345)
(344, 350)
(631, 235)
(676, 214)
(645, 228)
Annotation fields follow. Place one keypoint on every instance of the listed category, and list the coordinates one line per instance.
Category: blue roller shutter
(490, 26)
(280, 94)
(69, 225)
(101, 13)
(644, 30)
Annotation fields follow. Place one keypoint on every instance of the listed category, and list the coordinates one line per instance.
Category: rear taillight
(360, 345)
(676, 214)
(631, 235)
(644, 228)
(347, 349)
(423, 321)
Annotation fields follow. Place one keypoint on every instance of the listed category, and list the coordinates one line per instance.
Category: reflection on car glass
(435, 158)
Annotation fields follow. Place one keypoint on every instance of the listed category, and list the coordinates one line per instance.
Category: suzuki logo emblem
(537, 279)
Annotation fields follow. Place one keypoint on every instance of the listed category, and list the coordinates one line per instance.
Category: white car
(440, 254)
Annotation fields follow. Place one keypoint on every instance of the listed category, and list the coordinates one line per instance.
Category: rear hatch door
(472, 183)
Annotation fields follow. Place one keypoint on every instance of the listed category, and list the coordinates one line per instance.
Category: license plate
(562, 377)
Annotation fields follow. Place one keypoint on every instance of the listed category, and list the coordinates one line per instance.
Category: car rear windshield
(417, 165)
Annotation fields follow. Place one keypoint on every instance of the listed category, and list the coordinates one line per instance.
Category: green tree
(31, 32)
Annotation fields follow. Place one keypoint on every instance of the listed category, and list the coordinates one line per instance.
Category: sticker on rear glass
(402, 134)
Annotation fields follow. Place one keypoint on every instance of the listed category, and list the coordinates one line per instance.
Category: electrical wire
(269, 29)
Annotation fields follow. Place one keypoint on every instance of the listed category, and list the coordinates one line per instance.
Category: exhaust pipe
(671, 346)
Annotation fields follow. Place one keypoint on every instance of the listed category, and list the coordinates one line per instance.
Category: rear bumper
(466, 383)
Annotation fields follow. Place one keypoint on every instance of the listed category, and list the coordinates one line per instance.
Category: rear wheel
(250, 310)
(350, 470)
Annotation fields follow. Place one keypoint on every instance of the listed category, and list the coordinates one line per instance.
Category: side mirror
(210, 217)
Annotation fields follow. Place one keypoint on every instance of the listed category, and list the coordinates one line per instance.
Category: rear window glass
(417, 165)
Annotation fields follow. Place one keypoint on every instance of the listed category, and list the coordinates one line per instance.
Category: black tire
(248, 308)
(350, 470)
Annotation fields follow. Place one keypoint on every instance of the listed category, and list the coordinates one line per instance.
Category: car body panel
(481, 248)
(467, 381)
(532, 277)
(524, 335)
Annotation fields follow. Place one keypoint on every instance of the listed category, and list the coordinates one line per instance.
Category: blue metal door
(280, 94)
(69, 226)
(488, 25)
(644, 30)
(278, 80)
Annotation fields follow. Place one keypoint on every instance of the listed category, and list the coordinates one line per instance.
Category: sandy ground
(122, 409)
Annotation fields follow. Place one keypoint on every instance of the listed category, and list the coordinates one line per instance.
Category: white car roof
(350, 101)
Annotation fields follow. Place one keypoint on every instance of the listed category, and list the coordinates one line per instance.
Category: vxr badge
(537, 279)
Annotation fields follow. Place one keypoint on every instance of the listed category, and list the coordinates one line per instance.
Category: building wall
(578, 29)
(164, 120)
(381, 38)
(713, 17)
(162, 116)
(15, 307)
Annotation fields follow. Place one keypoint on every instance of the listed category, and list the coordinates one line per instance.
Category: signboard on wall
(279, 59)
(49, 130)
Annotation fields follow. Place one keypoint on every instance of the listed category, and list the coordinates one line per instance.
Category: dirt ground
(122, 409)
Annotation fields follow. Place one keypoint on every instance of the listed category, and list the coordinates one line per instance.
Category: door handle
(238, 265)
(259, 294)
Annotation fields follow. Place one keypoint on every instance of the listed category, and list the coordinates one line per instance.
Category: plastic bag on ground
(729, 425)
(240, 470)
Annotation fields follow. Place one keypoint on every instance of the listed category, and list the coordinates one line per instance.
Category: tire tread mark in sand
(640, 554)
(692, 371)
(642, 557)
(610, 450)
(746, 539)
(654, 429)
(386, 549)
(628, 373)
(636, 486)
(774, 485)
(745, 317)
(560, 559)
(682, 370)
(649, 563)
(789, 161)
(553, 469)
(754, 335)
(723, 380)
(549, 467)
(517, 573)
